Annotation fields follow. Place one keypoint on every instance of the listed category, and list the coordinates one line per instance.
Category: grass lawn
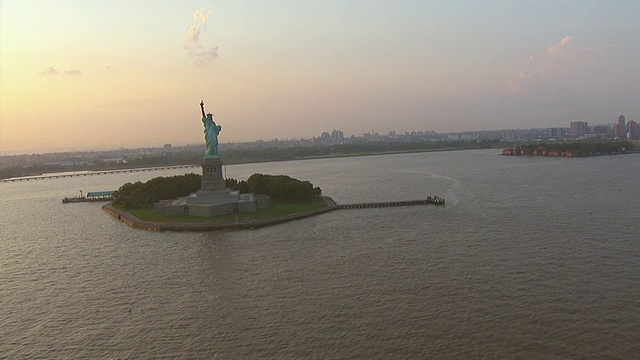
(276, 210)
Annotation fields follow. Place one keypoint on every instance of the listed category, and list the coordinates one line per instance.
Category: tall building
(633, 130)
(337, 136)
(579, 128)
(620, 128)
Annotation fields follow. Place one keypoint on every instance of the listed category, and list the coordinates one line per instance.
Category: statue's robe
(211, 131)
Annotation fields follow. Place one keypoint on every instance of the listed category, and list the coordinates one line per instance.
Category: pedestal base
(213, 203)
(213, 198)
(212, 177)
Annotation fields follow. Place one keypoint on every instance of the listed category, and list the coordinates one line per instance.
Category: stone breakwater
(331, 205)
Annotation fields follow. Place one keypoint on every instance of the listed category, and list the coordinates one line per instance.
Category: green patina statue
(211, 131)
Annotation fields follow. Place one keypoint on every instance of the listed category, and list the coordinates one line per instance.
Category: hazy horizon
(89, 75)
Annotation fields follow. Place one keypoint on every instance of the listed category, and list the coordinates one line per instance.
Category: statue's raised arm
(202, 108)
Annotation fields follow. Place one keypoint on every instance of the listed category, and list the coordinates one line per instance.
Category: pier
(91, 196)
(93, 173)
(435, 200)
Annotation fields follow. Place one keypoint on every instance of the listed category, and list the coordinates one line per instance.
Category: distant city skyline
(97, 75)
(559, 131)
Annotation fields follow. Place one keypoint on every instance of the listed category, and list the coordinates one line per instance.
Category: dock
(91, 196)
(430, 200)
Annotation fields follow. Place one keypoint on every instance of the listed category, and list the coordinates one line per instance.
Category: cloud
(562, 66)
(51, 71)
(200, 18)
(560, 48)
(193, 34)
(202, 55)
(524, 81)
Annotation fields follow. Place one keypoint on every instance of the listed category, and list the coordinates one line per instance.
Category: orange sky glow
(100, 75)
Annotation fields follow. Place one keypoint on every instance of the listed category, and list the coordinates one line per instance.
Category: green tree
(282, 187)
(139, 195)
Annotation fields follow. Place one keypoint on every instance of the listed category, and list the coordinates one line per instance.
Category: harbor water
(530, 258)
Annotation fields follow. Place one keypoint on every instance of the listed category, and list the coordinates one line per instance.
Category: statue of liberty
(211, 131)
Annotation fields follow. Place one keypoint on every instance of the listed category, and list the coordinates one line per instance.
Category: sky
(79, 74)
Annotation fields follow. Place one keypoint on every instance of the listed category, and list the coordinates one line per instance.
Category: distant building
(633, 130)
(337, 136)
(579, 128)
(459, 137)
(620, 128)
(601, 129)
(556, 132)
(324, 139)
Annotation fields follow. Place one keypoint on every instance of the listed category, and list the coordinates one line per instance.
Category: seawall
(331, 205)
(136, 223)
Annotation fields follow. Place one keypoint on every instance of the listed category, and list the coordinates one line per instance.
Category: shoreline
(510, 152)
(136, 223)
(330, 205)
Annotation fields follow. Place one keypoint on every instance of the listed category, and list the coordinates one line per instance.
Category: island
(212, 202)
(571, 149)
(141, 205)
(137, 204)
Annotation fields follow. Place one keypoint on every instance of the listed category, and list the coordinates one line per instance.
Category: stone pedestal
(212, 177)
(213, 198)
